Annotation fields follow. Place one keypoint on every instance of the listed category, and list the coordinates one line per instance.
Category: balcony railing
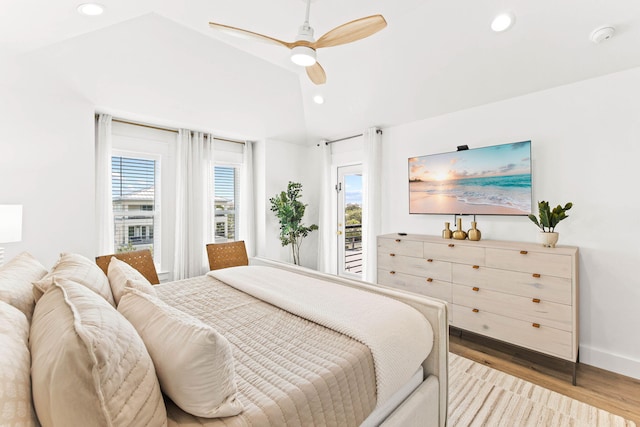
(353, 248)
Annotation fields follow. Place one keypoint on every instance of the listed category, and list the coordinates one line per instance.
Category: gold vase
(459, 234)
(447, 233)
(474, 234)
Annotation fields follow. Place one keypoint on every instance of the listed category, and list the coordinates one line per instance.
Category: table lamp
(10, 226)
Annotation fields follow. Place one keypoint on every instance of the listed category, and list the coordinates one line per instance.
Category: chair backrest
(230, 254)
(140, 260)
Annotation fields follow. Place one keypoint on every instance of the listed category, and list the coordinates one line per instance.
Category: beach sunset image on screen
(493, 180)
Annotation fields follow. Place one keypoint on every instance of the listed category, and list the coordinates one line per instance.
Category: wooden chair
(223, 255)
(140, 260)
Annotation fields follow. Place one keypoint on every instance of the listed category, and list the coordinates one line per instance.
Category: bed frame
(427, 405)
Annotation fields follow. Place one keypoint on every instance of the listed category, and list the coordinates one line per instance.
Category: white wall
(585, 149)
(46, 162)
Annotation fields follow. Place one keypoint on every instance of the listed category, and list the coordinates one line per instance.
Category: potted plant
(290, 211)
(549, 219)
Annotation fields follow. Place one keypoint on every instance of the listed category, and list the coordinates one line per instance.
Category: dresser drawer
(451, 251)
(532, 285)
(400, 246)
(543, 338)
(531, 262)
(417, 266)
(547, 313)
(407, 282)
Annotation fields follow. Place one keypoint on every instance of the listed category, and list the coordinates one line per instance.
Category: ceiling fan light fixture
(503, 22)
(318, 99)
(303, 56)
(91, 9)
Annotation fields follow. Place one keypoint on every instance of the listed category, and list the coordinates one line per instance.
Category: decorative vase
(447, 233)
(459, 234)
(548, 238)
(474, 234)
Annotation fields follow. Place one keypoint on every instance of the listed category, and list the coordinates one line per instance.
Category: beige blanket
(398, 336)
(290, 371)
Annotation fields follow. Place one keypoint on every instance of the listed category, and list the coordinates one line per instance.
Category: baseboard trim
(611, 362)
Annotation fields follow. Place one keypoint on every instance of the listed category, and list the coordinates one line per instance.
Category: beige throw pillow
(119, 272)
(89, 366)
(78, 269)
(16, 278)
(16, 405)
(193, 362)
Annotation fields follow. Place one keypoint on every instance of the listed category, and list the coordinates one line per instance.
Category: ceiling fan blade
(316, 74)
(351, 31)
(239, 32)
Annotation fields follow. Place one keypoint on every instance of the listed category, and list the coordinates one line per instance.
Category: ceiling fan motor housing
(304, 55)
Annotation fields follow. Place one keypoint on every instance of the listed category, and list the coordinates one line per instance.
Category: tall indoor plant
(549, 219)
(290, 211)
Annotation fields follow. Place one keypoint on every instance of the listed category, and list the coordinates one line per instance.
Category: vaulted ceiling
(435, 57)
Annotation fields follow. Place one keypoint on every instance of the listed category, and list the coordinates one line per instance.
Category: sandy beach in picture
(425, 203)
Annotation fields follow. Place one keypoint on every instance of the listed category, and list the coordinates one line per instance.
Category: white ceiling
(435, 56)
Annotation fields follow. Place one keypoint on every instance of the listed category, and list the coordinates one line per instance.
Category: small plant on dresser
(549, 219)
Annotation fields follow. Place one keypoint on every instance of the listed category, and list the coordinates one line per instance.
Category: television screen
(493, 180)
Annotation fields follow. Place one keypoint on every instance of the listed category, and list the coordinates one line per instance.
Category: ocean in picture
(495, 194)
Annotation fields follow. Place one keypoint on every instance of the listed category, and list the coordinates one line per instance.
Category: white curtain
(194, 203)
(104, 202)
(247, 205)
(327, 251)
(371, 187)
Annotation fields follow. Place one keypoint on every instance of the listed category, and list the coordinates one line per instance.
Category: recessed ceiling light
(91, 9)
(318, 99)
(503, 22)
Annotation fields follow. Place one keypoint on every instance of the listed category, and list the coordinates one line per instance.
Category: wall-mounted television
(493, 180)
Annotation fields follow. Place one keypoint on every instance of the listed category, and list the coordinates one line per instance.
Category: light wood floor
(612, 392)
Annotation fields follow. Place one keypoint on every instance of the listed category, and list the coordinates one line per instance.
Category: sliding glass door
(349, 189)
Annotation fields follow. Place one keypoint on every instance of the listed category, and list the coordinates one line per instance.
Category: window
(133, 188)
(226, 198)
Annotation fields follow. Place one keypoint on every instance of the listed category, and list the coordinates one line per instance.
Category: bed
(320, 362)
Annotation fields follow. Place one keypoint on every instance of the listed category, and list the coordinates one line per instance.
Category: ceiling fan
(303, 49)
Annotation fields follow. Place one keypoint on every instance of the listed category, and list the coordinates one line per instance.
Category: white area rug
(483, 396)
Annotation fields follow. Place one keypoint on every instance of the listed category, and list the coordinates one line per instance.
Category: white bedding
(398, 336)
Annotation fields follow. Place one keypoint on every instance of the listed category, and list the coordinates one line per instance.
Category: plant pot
(548, 238)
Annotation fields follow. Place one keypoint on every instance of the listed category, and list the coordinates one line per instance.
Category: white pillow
(16, 405)
(89, 366)
(119, 272)
(78, 269)
(194, 363)
(16, 278)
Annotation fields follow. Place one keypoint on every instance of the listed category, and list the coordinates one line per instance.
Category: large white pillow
(119, 273)
(78, 269)
(16, 278)
(194, 363)
(89, 366)
(16, 405)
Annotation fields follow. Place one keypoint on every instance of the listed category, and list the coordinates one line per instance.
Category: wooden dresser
(520, 293)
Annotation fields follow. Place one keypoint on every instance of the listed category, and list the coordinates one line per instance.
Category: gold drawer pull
(429, 260)
(475, 267)
(392, 254)
(524, 252)
(536, 275)
(476, 289)
(536, 300)
(392, 272)
(536, 325)
(398, 240)
(451, 245)
(429, 280)
(475, 310)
